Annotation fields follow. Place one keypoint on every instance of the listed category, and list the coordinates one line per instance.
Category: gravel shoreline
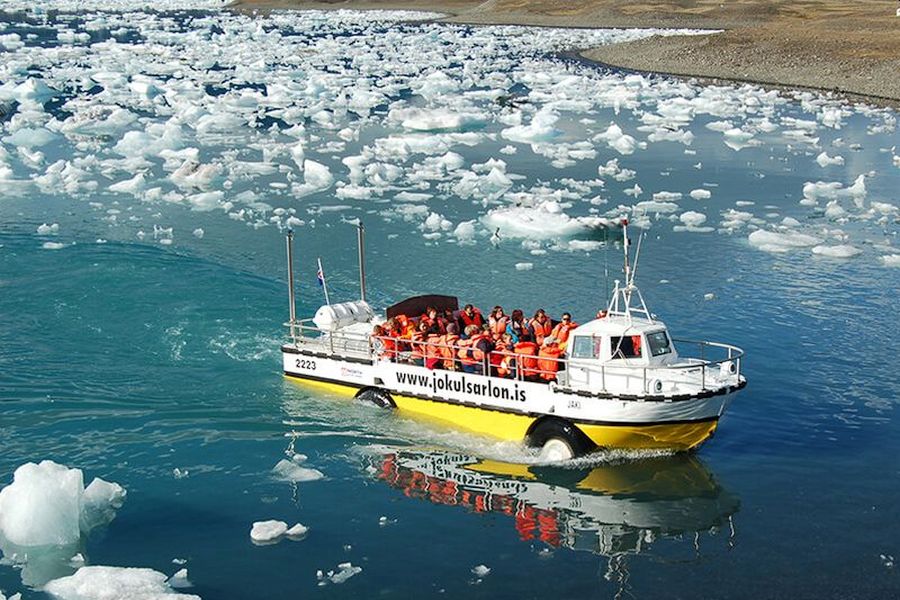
(848, 47)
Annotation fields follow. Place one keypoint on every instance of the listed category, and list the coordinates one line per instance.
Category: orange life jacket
(561, 332)
(540, 330)
(498, 326)
(470, 353)
(636, 344)
(448, 350)
(389, 345)
(503, 361)
(529, 361)
(547, 363)
(475, 319)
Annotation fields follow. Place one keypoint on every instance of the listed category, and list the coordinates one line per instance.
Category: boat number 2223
(309, 365)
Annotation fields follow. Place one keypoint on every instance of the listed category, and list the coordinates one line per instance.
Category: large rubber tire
(377, 396)
(559, 439)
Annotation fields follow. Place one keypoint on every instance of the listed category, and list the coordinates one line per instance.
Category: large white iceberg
(114, 583)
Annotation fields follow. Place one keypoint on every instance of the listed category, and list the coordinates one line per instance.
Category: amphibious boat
(623, 381)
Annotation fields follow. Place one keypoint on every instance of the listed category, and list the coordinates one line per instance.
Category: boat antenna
(637, 255)
(290, 268)
(361, 238)
(606, 268)
(625, 249)
(320, 275)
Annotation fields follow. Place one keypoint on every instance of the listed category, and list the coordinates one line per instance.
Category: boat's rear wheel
(558, 440)
(377, 396)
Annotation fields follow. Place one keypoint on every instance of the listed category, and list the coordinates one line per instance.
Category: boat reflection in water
(614, 510)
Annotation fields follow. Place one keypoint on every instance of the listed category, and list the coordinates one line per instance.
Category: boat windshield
(586, 346)
(659, 343)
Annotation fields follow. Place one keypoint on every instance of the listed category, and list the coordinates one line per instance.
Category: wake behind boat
(616, 381)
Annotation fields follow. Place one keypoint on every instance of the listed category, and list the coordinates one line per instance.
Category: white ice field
(277, 120)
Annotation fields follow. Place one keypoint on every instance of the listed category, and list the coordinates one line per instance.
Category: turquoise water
(132, 358)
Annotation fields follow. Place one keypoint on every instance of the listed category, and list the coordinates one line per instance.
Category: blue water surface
(130, 359)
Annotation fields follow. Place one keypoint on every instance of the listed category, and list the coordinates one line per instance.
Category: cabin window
(628, 346)
(659, 343)
(585, 346)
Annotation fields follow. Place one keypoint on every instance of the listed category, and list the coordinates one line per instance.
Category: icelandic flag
(320, 275)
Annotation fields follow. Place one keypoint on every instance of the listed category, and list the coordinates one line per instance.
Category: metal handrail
(342, 343)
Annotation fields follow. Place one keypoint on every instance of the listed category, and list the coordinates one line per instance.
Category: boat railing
(525, 367)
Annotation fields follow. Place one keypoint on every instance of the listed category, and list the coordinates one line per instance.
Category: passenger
(601, 314)
(636, 344)
(383, 342)
(497, 320)
(548, 359)
(528, 362)
(470, 316)
(540, 326)
(562, 330)
(450, 347)
(433, 320)
(517, 327)
(503, 360)
(473, 350)
(420, 338)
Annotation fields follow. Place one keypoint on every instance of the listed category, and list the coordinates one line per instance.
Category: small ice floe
(384, 521)
(45, 229)
(701, 194)
(343, 572)
(52, 246)
(886, 559)
(289, 470)
(180, 580)
(837, 251)
(618, 140)
(114, 583)
(825, 161)
(709, 296)
(47, 504)
(267, 532)
(199, 233)
(180, 473)
(524, 266)
(481, 571)
(890, 260)
(778, 241)
(297, 532)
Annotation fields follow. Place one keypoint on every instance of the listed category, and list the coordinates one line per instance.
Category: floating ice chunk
(692, 219)
(297, 531)
(53, 246)
(890, 260)
(774, 241)
(544, 221)
(114, 583)
(837, 251)
(44, 229)
(34, 90)
(47, 504)
(616, 139)
(481, 571)
(524, 266)
(510, 149)
(667, 196)
(633, 191)
(290, 471)
(465, 232)
(180, 580)
(199, 233)
(134, 186)
(834, 189)
(654, 206)
(540, 129)
(438, 119)
(28, 137)
(701, 194)
(738, 139)
(267, 531)
(824, 160)
(316, 178)
(345, 571)
(709, 296)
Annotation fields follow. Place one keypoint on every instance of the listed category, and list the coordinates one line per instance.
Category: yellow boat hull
(510, 426)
